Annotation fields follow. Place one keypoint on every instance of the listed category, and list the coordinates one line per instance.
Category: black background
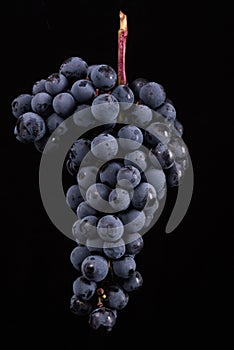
(187, 47)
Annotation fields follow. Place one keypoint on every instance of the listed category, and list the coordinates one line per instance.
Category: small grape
(103, 77)
(84, 209)
(41, 104)
(104, 146)
(124, 94)
(83, 91)
(136, 86)
(124, 267)
(78, 254)
(74, 68)
(74, 197)
(134, 243)
(128, 177)
(30, 127)
(152, 95)
(130, 137)
(114, 250)
(64, 104)
(39, 86)
(167, 110)
(134, 282)
(133, 220)
(56, 83)
(21, 104)
(95, 268)
(80, 307)
(110, 228)
(105, 108)
(108, 173)
(53, 121)
(119, 199)
(84, 288)
(102, 318)
(117, 298)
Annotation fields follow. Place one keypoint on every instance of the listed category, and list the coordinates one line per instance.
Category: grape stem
(122, 41)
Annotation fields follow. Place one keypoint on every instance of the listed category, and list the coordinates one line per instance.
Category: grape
(157, 178)
(83, 91)
(56, 83)
(102, 317)
(74, 68)
(175, 175)
(105, 108)
(137, 159)
(30, 127)
(167, 110)
(108, 173)
(140, 115)
(84, 209)
(21, 105)
(128, 177)
(134, 243)
(132, 219)
(78, 254)
(88, 226)
(80, 237)
(164, 155)
(124, 94)
(124, 267)
(86, 176)
(114, 250)
(97, 196)
(41, 104)
(130, 137)
(74, 197)
(136, 86)
(119, 199)
(178, 148)
(84, 288)
(152, 95)
(117, 298)
(103, 77)
(77, 152)
(53, 121)
(104, 146)
(132, 283)
(110, 228)
(80, 307)
(157, 132)
(144, 196)
(83, 117)
(90, 69)
(64, 104)
(95, 268)
(39, 86)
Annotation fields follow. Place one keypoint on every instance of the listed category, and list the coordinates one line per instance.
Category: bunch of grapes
(130, 150)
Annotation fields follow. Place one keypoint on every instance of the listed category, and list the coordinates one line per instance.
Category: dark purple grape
(80, 307)
(21, 105)
(64, 104)
(42, 104)
(102, 318)
(30, 127)
(136, 86)
(74, 68)
(56, 83)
